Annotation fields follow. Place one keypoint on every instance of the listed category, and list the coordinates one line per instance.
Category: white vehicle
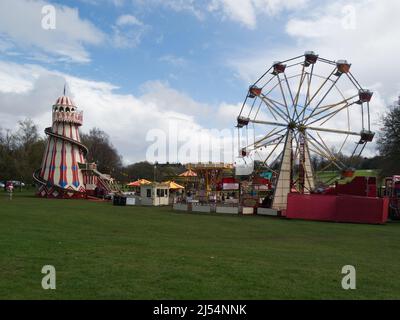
(18, 184)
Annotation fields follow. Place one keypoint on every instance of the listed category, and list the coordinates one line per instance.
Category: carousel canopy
(173, 185)
(188, 173)
(138, 183)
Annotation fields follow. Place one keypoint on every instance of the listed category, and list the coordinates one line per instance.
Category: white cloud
(370, 43)
(30, 90)
(128, 31)
(173, 60)
(246, 11)
(117, 3)
(182, 6)
(242, 11)
(273, 7)
(364, 32)
(21, 27)
(186, 6)
(128, 19)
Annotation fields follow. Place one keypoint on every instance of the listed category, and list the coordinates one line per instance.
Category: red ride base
(55, 193)
(338, 208)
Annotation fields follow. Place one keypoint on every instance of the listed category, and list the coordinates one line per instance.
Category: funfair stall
(154, 194)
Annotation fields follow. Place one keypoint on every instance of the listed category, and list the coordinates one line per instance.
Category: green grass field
(106, 252)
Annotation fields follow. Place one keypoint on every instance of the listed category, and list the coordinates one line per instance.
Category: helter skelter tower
(65, 172)
(301, 109)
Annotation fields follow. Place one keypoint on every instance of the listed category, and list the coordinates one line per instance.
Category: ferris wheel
(299, 110)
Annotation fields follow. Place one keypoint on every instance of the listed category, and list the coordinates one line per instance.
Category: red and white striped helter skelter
(60, 175)
(65, 173)
(301, 109)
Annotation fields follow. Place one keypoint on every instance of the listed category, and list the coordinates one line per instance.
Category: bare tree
(389, 141)
(101, 151)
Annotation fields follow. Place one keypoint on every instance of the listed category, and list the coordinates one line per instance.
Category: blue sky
(143, 63)
(189, 52)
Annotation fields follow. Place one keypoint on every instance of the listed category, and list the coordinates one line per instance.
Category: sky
(141, 67)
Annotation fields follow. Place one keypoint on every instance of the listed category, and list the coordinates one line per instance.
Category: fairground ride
(302, 109)
(209, 174)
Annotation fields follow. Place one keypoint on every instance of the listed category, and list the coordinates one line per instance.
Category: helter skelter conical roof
(64, 101)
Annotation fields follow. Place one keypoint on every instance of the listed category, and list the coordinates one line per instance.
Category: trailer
(392, 191)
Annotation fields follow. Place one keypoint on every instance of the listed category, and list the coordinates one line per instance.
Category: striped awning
(138, 183)
(173, 185)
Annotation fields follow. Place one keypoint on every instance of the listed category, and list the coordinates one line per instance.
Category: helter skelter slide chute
(299, 109)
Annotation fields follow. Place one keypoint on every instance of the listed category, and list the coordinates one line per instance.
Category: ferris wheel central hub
(292, 125)
(302, 128)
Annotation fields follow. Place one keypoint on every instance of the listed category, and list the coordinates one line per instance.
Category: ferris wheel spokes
(271, 104)
(309, 99)
(296, 99)
(269, 135)
(267, 72)
(327, 116)
(353, 133)
(325, 153)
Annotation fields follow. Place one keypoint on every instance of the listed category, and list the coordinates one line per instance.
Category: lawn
(106, 252)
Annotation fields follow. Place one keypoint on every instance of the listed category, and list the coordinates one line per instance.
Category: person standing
(10, 190)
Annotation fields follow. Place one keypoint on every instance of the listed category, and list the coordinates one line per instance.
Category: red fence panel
(361, 209)
(341, 208)
(311, 207)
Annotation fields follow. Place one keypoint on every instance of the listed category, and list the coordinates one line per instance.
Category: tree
(28, 150)
(7, 164)
(389, 141)
(27, 134)
(140, 170)
(149, 171)
(20, 152)
(101, 151)
(372, 163)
